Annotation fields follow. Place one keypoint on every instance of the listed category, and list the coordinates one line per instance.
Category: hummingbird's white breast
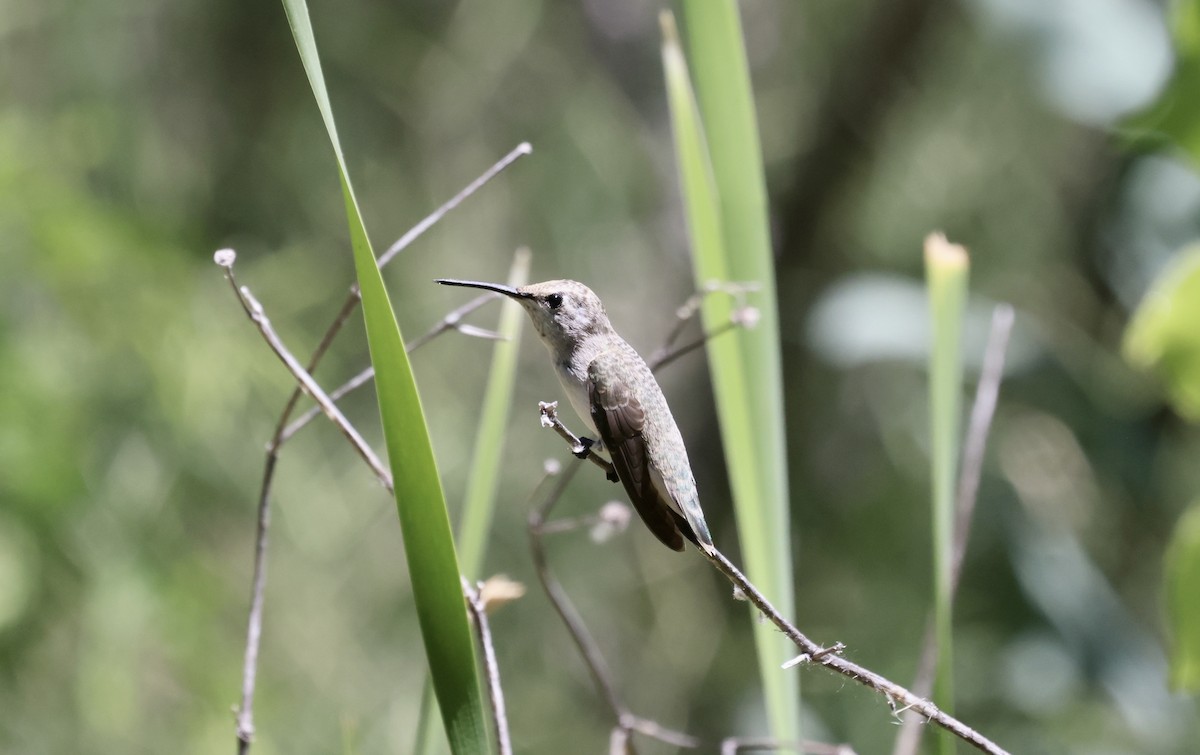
(575, 386)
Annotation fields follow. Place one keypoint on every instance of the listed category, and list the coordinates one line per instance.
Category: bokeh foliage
(137, 137)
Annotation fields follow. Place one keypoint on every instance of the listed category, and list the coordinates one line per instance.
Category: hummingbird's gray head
(564, 312)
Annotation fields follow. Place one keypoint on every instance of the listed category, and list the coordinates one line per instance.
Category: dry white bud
(498, 591)
(747, 317)
(225, 258)
(613, 518)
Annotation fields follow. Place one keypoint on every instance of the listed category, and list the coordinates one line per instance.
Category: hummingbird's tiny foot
(612, 476)
(584, 448)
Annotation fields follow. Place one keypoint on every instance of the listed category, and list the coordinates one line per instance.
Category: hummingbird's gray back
(631, 415)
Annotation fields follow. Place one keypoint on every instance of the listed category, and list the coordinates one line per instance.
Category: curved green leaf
(729, 241)
(1165, 332)
(424, 523)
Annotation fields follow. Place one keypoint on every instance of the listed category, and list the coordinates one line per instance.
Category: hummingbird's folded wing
(619, 419)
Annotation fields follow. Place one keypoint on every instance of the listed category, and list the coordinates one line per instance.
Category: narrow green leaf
(425, 525)
(1183, 610)
(725, 193)
(946, 267)
(480, 497)
(1165, 332)
(489, 440)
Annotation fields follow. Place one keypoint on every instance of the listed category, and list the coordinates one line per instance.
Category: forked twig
(452, 321)
(226, 258)
(588, 649)
(743, 315)
(244, 713)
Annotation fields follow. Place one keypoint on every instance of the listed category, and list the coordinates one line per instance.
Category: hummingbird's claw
(584, 448)
(612, 476)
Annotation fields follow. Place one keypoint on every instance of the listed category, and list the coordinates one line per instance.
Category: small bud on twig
(225, 258)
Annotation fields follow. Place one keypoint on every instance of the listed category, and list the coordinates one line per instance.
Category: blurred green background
(135, 398)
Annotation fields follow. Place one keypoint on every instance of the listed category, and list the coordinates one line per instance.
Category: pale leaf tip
(666, 20)
(943, 254)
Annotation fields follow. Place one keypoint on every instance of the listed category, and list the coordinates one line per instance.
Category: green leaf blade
(946, 269)
(1164, 334)
(744, 365)
(420, 502)
(1183, 610)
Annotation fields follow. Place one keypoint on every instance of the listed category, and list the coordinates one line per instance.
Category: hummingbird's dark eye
(554, 300)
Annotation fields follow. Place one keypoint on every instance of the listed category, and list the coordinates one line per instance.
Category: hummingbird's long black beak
(497, 287)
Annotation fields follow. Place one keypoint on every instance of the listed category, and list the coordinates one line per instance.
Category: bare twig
(987, 392)
(830, 658)
(452, 321)
(549, 415)
(256, 314)
(245, 711)
(495, 691)
(627, 722)
(522, 149)
(982, 411)
(743, 315)
(562, 604)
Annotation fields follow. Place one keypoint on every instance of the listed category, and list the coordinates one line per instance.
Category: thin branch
(982, 411)
(254, 310)
(562, 604)
(898, 697)
(549, 418)
(495, 691)
(452, 321)
(743, 315)
(987, 393)
(627, 722)
(666, 357)
(245, 711)
(522, 149)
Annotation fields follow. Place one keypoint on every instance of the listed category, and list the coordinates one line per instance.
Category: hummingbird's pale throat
(615, 394)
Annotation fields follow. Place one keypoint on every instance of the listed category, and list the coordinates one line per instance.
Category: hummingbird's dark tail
(685, 529)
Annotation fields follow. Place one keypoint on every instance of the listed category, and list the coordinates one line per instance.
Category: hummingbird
(615, 394)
